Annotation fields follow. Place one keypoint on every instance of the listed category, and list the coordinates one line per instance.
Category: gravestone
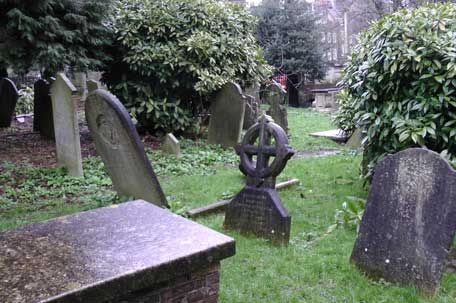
(257, 209)
(121, 149)
(8, 100)
(133, 252)
(275, 97)
(252, 111)
(66, 125)
(93, 85)
(410, 219)
(227, 116)
(171, 145)
(356, 139)
(43, 120)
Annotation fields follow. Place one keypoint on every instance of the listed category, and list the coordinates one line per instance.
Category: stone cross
(171, 145)
(275, 97)
(8, 100)
(227, 116)
(119, 145)
(410, 219)
(43, 120)
(257, 209)
(66, 125)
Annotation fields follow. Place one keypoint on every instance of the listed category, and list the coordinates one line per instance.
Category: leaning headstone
(410, 219)
(43, 120)
(93, 85)
(66, 126)
(257, 209)
(171, 145)
(252, 111)
(227, 116)
(275, 97)
(8, 100)
(356, 139)
(121, 149)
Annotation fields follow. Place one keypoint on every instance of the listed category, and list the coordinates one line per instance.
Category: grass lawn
(313, 268)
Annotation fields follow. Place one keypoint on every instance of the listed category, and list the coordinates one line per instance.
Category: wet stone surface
(409, 221)
(104, 254)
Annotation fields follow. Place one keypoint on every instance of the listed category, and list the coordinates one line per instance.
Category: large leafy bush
(401, 83)
(172, 55)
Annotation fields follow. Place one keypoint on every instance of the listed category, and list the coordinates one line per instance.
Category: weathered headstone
(275, 97)
(66, 125)
(43, 120)
(252, 111)
(93, 85)
(132, 252)
(356, 139)
(171, 145)
(410, 219)
(257, 209)
(227, 116)
(8, 100)
(121, 149)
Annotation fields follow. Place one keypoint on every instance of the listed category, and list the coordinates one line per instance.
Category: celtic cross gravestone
(257, 209)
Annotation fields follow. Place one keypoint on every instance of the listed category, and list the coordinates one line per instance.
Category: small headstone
(171, 145)
(227, 116)
(257, 209)
(121, 149)
(8, 100)
(356, 139)
(275, 97)
(66, 125)
(252, 111)
(93, 85)
(410, 219)
(43, 120)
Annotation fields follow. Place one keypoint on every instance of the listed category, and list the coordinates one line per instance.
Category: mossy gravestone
(8, 100)
(409, 221)
(43, 120)
(92, 86)
(67, 139)
(171, 145)
(121, 149)
(275, 97)
(227, 116)
(257, 209)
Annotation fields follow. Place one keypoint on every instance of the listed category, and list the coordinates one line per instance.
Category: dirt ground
(20, 143)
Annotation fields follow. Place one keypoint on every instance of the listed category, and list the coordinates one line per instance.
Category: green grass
(313, 268)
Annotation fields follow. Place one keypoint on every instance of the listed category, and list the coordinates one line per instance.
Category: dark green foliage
(171, 55)
(401, 83)
(49, 35)
(289, 35)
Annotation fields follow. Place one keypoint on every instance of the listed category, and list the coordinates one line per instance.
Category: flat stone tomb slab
(108, 255)
(334, 134)
(409, 221)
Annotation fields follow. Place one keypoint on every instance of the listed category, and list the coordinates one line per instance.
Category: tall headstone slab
(171, 145)
(8, 100)
(275, 97)
(227, 116)
(409, 222)
(43, 120)
(93, 85)
(66, 125)
(121, 149)
(257, 209)
(252, 111)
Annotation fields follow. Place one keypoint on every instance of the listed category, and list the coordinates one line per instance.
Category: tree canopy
(289, 35)
(48, 35)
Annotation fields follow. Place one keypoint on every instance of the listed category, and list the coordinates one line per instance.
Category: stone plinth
(132, 252)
